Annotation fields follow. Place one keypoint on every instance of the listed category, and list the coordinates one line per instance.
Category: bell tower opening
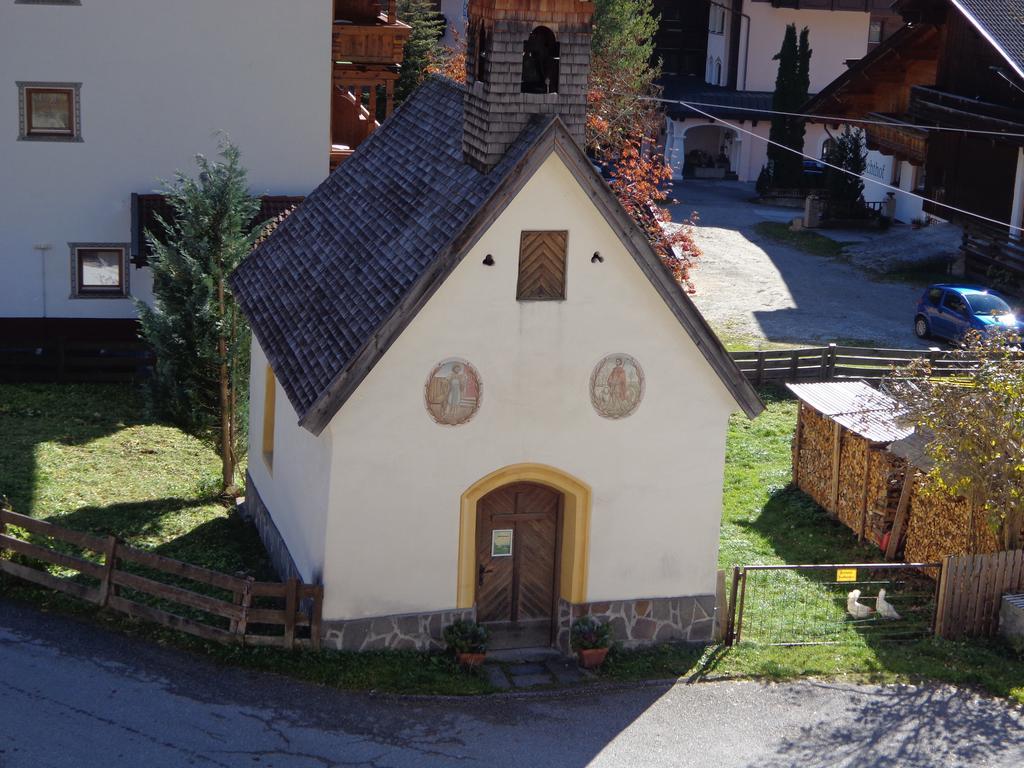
(527, 59)
(540, 62)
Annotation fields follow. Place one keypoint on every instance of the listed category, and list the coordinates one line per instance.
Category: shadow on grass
(69, 414)
(800, 532)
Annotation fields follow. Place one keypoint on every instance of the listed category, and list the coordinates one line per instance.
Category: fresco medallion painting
(617, 386)
(453, 392)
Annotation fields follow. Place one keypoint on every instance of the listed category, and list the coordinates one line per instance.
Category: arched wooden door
(518, 541)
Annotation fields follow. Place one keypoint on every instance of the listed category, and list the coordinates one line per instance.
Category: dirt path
(752, 288)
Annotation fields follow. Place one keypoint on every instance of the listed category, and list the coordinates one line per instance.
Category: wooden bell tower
(367, 50)
(523, 58)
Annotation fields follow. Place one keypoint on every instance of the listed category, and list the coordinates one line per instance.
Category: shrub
(587, 632)
(466, 637)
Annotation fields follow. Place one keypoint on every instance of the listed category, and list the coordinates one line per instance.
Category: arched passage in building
(711, 151)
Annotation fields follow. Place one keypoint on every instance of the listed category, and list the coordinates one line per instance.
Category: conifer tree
(791, 93)
(423, 47)
(200, 337)
(846, 151)
(622, 74)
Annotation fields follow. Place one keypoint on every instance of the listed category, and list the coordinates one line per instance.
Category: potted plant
(591, 640)
(468, 641)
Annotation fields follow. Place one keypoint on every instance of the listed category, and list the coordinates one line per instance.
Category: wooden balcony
(905, 142)
(368, 32)
(944, 108)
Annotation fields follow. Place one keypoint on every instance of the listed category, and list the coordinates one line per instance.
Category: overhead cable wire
(857, 175)
(834, 119)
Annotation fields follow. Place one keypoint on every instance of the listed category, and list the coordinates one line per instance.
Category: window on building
(98, 271)
(721, 21)
(49, 112)
(711, 70)
(540, 62)
(718, 72)
(542, 266)
(269, 403)
(875, 31)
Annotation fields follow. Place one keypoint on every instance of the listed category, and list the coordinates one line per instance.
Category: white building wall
(835, 37)
(748, 150)
(393, 532)
(878, 171)
(908, 207)
(159, 79)
(295, 487)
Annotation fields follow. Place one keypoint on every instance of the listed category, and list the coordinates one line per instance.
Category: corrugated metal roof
(855, 406)
(912, 448)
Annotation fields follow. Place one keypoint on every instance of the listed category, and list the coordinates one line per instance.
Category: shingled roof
(344, 274)
(1001, 22)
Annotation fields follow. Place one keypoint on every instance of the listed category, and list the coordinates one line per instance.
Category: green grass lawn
(803, 239)
(88, 458)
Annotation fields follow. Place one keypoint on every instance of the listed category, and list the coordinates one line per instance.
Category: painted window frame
(24, 129)
(78, 291)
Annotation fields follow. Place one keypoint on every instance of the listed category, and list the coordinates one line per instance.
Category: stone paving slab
(496, 677)
(517, 670)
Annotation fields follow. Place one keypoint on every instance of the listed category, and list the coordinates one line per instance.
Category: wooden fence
(992, 257)
(970, 592)
(226, 609)
(60, 360)
(839, 363)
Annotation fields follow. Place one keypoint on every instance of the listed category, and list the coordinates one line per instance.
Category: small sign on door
(501, 542)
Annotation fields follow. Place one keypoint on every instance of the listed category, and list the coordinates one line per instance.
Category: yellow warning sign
(846, 574)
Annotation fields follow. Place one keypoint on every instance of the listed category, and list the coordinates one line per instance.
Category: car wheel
(921, 327)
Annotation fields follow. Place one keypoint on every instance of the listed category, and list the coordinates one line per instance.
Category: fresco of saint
(617, 386)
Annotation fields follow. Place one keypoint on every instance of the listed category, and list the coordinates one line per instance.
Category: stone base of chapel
(640, 622)
(256, 512)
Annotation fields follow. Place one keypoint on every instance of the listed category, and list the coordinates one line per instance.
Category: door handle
(481, 571)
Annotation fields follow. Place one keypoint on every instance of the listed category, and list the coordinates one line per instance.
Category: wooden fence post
(902, 510)
(246, 602)
(794, 363)
(760, 367)
(731, 625)
(290, 607)
(941, 597)
(109, 566)
(831, 362)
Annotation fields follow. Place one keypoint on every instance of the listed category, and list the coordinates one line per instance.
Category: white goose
(884, 607)
(855, 609)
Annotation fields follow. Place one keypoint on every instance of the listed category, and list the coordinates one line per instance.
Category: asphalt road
(752, 287)
(72, 694)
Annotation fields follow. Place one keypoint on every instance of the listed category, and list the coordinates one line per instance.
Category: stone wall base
(256, 512)
(404, 632)
(640, 622)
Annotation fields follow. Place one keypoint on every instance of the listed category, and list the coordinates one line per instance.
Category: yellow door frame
(572, 581)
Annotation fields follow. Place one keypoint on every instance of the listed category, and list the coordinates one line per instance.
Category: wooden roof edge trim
(322, 411)
(888, 46)
(639, 247)
(984, 32)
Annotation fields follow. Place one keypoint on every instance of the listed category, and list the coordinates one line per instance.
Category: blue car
(949, 311)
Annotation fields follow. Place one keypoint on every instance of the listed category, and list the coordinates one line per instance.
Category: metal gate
(817, 604)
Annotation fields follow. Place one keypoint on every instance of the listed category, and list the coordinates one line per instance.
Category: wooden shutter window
(542, 257)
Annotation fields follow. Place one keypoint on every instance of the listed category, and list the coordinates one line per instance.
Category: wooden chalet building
(958, 64)
(367, 51)
(720, 54)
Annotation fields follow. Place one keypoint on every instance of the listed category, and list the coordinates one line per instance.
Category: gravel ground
(754, 289)
(73, 694)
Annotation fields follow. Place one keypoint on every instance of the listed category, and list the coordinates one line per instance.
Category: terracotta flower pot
(592, 658)
(470, 660)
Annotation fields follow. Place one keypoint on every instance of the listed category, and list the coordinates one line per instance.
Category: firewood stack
(814, 456)
(941, 525)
